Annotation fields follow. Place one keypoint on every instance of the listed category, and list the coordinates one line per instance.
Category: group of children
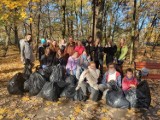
(84, 60)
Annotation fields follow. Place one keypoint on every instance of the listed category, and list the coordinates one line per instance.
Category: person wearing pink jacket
(79, 48)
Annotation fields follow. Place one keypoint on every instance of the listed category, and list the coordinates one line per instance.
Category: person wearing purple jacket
(72, 63)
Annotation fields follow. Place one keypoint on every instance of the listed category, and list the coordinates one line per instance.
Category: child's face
(111, 68)
(129, 75)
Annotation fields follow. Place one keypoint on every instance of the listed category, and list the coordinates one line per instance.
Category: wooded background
(135, 20)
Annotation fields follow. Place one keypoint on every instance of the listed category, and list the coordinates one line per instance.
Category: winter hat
(43, 41)
(144, 71)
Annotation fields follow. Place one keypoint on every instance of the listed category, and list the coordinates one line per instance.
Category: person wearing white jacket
(89, 82)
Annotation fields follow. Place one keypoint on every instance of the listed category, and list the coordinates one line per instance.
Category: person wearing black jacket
(98, 55)
(46, 59)
(60, 58)
(88, 46)
(41, 49)
(110, 49)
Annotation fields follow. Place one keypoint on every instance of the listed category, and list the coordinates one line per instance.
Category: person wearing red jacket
(79, 48)
(129, 81)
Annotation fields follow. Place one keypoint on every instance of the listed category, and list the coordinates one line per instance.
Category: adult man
(27, 56)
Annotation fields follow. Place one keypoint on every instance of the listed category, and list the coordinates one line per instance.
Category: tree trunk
(81, 18)
(132, 55)
(99, 18)
(16, 34)
(5, 47)
(38, 29)
(64, 19)
(94, 20)
(72, 23)
(49, 20)
(25, 29)
(30, 24)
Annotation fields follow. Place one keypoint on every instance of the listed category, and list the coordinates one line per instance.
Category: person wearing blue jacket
(110, 75)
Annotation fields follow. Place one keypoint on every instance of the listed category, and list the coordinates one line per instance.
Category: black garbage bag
(50, 91)
(57, 74)
(131, 97)
(16, 84)
(26, 86)
(139, 97)
(143, 95)
(115, 97)
(71, 93)
(79, 96)
(46, 72)
(36, 82)
(71, 80)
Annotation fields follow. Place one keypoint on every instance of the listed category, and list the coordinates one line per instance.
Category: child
(111, 74)
(89, 81)
(129, 81)
(72, 64)
(84, 60)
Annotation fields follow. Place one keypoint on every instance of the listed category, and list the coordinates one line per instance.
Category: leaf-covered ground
(35, 108)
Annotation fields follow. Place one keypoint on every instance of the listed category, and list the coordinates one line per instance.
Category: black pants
(99, 65)
(28, 68)
(109, 59)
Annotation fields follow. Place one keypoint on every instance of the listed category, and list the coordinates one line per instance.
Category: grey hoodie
(26, 51)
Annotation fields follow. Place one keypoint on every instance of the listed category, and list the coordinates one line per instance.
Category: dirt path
(35, 108)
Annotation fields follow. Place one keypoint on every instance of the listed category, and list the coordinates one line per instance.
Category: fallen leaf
(158, 112)
(2, 111)
(25, 98)
(104, 110)
(48, 103)
(1, 117)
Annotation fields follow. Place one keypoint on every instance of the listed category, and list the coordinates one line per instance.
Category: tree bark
(64, 19)
(132, 55)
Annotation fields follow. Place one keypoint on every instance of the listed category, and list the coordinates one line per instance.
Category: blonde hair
(92, 63)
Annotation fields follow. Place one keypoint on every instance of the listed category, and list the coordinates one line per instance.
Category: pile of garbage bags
(136, 97)
(51, 84)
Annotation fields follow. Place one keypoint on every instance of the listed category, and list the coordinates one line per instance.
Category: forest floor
(14, 107)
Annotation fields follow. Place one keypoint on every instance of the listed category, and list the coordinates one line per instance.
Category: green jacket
(121, 55)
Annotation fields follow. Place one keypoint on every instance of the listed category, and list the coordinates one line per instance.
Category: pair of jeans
(86, 88)
(69, 72)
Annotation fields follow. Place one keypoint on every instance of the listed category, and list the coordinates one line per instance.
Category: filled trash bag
(50, 91)
(36, 82)
(45, 72)
(115, 97)
(71, 80)
(16, 84)
(57, 74)
(26, 86)
(79, 96)
(70, 92)
(139, 97)
(131, 97)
